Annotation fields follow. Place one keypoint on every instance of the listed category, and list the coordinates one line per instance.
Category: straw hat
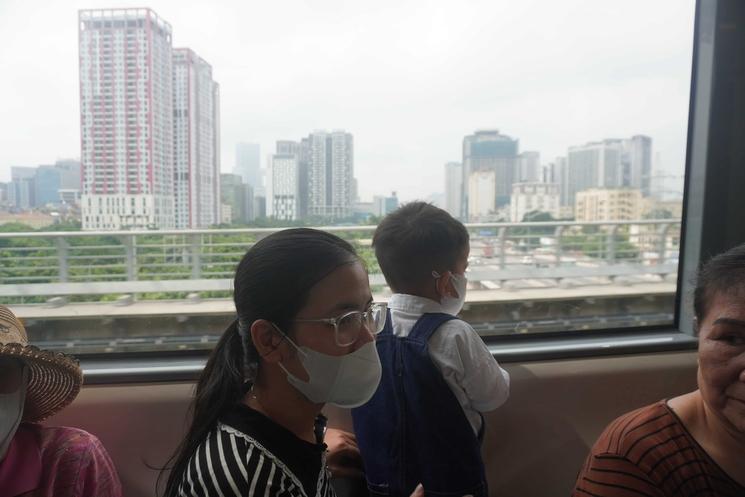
(54, 378)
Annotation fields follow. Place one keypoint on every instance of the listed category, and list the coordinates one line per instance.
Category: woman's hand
(343, 458)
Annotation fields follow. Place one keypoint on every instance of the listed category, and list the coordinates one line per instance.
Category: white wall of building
(530, 197)
(285, 186)
(605, 204)
(482, 191)
(453, 188)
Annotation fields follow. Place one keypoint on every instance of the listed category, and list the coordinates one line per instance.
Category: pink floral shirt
(45, 461)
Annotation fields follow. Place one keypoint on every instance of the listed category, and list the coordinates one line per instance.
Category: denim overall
(414, 430)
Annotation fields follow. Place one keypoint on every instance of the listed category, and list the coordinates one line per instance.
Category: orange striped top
(648, 452)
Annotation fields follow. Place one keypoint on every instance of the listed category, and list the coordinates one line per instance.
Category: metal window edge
(165, 369)
(583, 347)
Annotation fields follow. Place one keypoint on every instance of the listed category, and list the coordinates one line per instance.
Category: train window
(556, 131)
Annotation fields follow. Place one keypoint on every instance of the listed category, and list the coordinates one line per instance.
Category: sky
(409, 79)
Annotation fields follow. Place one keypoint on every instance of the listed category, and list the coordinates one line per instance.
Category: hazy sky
(408, 78)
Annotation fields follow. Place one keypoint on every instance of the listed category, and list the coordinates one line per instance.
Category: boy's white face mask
(346, 381)
(11, 412)
(453, 305)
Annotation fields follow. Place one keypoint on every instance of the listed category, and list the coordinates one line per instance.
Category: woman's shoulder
(237, 462)
(639, 429)
(54, 438)
(72, 458)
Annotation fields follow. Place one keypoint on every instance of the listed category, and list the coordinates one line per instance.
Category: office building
(487, 151)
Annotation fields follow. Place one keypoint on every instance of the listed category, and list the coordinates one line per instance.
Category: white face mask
(453, 305)
(11, 412)
(346, 381)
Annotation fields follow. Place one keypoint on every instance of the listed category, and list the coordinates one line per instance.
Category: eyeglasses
(348, 326)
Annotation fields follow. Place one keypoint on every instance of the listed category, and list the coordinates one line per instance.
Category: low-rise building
(608, 204)
(534, 197)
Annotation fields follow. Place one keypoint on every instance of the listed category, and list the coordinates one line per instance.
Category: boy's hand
(343, 458)
(418, 491)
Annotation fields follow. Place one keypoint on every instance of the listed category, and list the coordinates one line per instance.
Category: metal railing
(169, 264)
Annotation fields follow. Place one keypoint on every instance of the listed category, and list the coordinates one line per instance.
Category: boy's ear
(267, 340)
(443, 285)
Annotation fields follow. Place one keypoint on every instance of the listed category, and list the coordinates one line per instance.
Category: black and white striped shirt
(247, 454)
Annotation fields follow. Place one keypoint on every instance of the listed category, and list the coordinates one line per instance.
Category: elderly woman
(693, 444)
(37, 460)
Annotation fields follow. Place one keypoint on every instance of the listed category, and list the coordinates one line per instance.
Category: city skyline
(450, 194)
(407, 122)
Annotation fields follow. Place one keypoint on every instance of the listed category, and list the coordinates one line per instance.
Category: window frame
(709, 226)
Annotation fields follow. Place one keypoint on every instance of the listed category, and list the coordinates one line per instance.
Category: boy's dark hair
(723, 274)
(413, 241)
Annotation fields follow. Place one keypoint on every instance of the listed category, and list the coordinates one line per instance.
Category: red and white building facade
(129, 142)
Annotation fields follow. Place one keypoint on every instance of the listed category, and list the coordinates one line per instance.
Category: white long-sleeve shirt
(469, 369)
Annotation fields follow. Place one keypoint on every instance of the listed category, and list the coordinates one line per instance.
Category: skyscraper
(292, 166)
(69, 173)
(558, 172)
(528, 167)
(595, 165)
(248, 164)
(126, 108)
(482, 152)
(330, 169)
(47, 185)
(195, 141)
(285, 186)
(639, 153)
(239, 197)
(22, 188)
(610, 163)
(453, 188)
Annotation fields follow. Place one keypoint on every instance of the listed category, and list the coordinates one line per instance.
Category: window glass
(150, 147)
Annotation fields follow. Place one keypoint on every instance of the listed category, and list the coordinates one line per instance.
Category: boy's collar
(405, 301)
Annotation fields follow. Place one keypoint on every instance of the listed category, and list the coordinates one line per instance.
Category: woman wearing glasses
(303, 337)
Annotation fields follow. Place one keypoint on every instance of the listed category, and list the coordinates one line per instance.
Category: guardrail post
(196, 260)
(610, 244)
(130, 251)
(502, 237)
(662, 242)
(559, 249)
(62, 253)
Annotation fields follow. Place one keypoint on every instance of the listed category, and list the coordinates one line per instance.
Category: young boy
(424, 423)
